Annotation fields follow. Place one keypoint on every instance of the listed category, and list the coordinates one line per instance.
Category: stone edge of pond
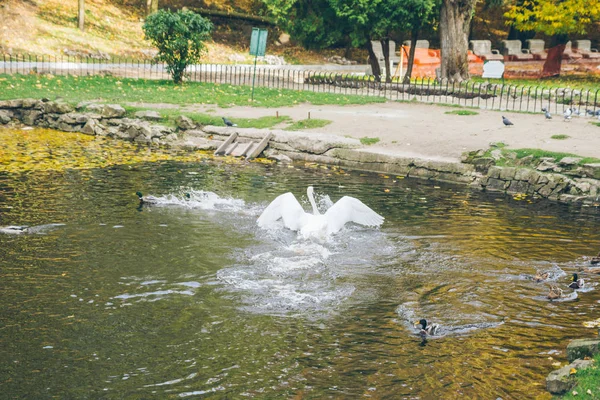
(581, 187)
(579, 354)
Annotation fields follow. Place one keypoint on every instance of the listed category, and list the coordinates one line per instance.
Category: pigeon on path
(567, 114)
(506, 121)
(228, 122)
(548, 115)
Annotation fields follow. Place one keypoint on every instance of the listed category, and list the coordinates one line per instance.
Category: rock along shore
(565, 181)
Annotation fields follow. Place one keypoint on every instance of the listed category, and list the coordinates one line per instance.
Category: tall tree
(419, 13)
(80, 14)
(313, 23)
(372, 20)
(455, 21)
(556, 18)
(151, 6)
(323, 23)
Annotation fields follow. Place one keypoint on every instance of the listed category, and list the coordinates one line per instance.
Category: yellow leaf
(592, 324)
(572, 371)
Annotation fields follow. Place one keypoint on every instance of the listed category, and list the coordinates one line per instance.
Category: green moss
(369, 141)
(560, 137)
(510, 156)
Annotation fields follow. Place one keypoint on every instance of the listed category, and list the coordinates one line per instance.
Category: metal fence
(485, 95)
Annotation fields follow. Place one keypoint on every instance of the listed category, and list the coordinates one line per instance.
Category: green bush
(179, 38)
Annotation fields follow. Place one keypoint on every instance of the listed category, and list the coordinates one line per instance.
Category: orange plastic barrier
(428, 60)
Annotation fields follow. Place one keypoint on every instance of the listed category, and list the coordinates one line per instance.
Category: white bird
(14, 229)
(567, 114)
(347, 209)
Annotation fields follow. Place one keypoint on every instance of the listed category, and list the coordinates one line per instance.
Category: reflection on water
(188, 298)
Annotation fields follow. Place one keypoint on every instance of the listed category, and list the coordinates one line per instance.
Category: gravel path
(426, 131)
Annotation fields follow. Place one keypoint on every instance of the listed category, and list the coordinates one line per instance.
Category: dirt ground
(425, 131)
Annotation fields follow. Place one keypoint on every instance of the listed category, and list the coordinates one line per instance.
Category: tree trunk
(373, 62)
(80, 14)
(151, 6)
(385, 46)
(411, 56)
(455, 19)
(554, 58)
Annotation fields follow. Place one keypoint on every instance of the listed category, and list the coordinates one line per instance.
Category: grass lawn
(170, 114)
(588, 383)
(588, 82)
(113, 90)
(307, 124)
(462, 112)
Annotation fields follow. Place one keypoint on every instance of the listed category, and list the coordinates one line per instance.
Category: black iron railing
(483, 95)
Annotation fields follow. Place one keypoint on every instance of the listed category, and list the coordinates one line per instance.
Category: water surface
(189, 298)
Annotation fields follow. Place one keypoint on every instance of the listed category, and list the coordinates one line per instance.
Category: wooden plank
(239, 149)
(231, 148)
(246, 148)
(259, 147)
(223, 147)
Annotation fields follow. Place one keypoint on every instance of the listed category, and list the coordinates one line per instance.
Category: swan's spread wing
(350, 209)
(285, 207)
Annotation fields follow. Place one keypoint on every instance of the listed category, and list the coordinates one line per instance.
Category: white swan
(347, 209)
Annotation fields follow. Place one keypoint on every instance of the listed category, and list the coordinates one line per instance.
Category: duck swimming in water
(554, 293)
(595, 260)
(541, 276)
(146, 199)
(426, 330)
(577, 282)
(595, 270)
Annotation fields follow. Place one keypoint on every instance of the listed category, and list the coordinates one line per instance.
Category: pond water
(189, 298)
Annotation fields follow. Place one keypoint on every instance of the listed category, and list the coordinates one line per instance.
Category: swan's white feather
(287, 208)
(347, 209)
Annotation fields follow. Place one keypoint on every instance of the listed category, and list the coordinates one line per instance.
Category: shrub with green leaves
(179, 38)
